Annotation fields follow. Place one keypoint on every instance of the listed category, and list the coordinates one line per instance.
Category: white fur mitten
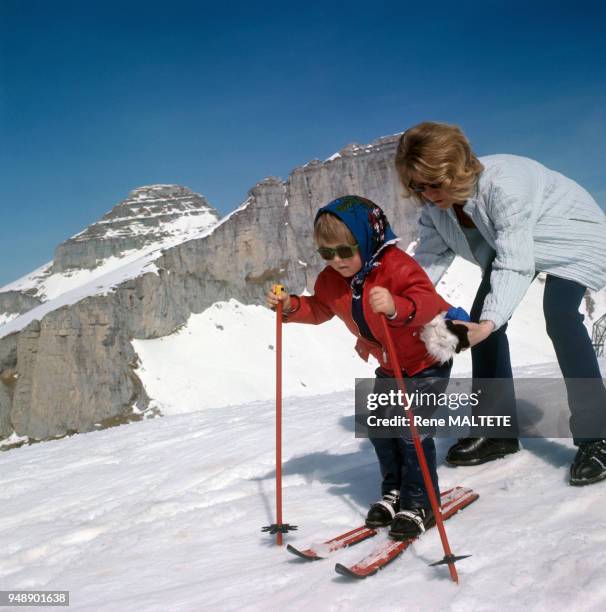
(443, 338)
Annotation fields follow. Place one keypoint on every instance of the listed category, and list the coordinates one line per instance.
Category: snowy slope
(225, 354)
(165, 514)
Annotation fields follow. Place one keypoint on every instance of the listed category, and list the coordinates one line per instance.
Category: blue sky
(97, 98)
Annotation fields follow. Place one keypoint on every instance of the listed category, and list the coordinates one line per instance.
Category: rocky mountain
(69, 365)
(151, 217)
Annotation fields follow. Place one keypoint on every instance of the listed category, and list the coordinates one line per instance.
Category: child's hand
(271, 299)
(380, 300)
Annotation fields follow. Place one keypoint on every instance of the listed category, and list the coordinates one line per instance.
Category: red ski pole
(278, 527)
(449, 558)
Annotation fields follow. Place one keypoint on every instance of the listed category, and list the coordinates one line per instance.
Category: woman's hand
(477, 331)
(380, 300)
(272, 300)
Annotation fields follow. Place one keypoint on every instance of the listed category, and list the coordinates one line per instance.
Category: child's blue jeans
(400, 468)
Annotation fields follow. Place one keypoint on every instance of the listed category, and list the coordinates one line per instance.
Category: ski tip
(345, 571)
(303, 554)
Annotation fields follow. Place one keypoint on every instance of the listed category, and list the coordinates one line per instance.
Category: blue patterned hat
(370, 227)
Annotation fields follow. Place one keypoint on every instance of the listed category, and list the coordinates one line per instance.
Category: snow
(169, 363)
(29, 280)
(165, 514)
(5, 318)
(62, 282)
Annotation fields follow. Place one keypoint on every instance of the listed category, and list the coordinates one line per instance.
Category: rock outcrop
(17, 302)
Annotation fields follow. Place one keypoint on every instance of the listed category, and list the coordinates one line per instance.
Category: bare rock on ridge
(149, 215)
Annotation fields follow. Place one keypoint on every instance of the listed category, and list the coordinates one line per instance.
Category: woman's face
(345, 267)
(433, 193)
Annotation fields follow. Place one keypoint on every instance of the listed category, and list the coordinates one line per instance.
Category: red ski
(341, 541)
(359, 534)
(452, 501)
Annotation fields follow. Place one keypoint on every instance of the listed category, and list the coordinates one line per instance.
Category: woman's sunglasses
(421, 187)
(344, 251)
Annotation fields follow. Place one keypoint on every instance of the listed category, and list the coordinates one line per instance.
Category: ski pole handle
(279, 290)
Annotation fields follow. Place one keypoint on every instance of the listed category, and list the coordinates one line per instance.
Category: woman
(515, 218)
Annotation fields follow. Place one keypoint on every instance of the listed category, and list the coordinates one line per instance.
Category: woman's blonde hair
(438, 153)
(329, 229)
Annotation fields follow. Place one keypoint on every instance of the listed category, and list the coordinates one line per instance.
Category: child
(368, 277)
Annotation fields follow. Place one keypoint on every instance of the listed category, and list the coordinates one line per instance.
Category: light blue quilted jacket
(536, 220)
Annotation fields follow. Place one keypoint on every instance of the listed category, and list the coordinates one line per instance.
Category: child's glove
(456, 313)
(443, 337)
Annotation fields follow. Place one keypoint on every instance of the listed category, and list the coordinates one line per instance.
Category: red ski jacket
(415, 297)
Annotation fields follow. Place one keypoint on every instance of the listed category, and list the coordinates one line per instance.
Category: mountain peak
(150, 192)
(148, 217)
(151, 218)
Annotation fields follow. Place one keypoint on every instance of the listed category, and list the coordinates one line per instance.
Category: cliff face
(76, 367)
(270, 238)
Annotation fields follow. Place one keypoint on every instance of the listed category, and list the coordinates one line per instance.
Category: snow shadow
(354, 477)
(540, 422)
(550, 451)
(534, 421)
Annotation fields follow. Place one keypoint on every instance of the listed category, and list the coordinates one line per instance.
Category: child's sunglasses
(421, 187)
(344, 251)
